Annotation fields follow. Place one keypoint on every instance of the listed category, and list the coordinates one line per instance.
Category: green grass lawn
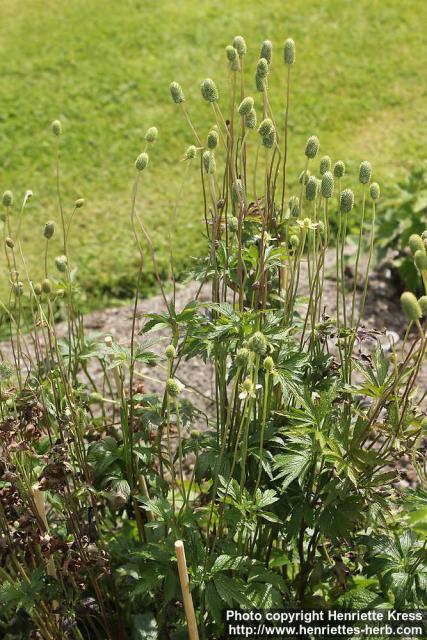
(104, 67)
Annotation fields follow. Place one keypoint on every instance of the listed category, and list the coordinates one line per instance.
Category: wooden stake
(186, 595)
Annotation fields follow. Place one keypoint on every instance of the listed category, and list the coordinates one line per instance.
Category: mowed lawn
(104, 67)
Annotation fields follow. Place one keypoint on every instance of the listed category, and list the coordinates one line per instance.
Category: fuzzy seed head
(56, 127)
(239, 44)
(142, 161)
(269, 140)
(304, 177)
(293, 205)
(312, 147)
(265, 127)
(212, 140)
(327, 186)
(294, 241)
(289, 52)
(38, 289)
(49, 229)
(173, 388)
(176, 92)
(195, 434)
(209, 90)
(262, 68)
(375, 191)
(79, 203)
(242, 357)
(247, 385)
(18, 289)
(423, 305)
(339, 169)
(46, 286)
(238, 191)
(365, 172)
(151, 134)
(259, 83)
(9, 242)
(233, 224)
(250, 119)
(232, 57)
(311, 188)
(410, 306)
(61, 263)
(347, 201)
(209, 162)
(170, 352)
(325, 164)
(269, 364)
(267, 51)
(246, 105)
(420, 259)
(7, 199)
(191, 153)
(258, 343)
(416, 243)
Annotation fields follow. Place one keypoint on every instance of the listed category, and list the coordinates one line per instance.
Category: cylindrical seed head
(151, 134)
(365, 172)
(293, 205)
(209, 162)
(246, 105)
(212, 139)
(304, 177)
(311, 188)
(347, 201)
(258, 343)
(173, 388)
(294, 241)
(420, 259)
(232, 57)
(375, 191)
(325, 164)
(242, 357)
(265, 127)
(142, 161)
(269, 140)
(176, 92)
(267, 51)
(79, 203)
(289, 52)
(416, 243)
(46, 286)
(250, 119)
(239, 44)
(56, 127)
(327, 186)
(262, 68)
(7, 199)
(339, 169)
(209, 90)
(9, 242)
(170, 352)
(191, 152)
(312, 147)
(49, 229)
(410, 306)
(61, 263)
(268, 364)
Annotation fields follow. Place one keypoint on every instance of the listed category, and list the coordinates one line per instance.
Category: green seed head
(269, 364)
(250, 119)
(212, 140)
(61, 263)
(9, 242)
(339, 169)
(173, 388)
(56, 128)
(191, 153)
(423, 305)
(7, 199)
(294, 241)
(365, 172)
(259, 83)
(258, 343)
(18, 289)
(151, 134)
(304, 177)
(262, 68)
(269, 140)
(49, 229)
(239, 44)
(142, 161)
(374, 190)
(38, 289)
(325, 164)
(327, 186)
(242, 357)
(312, 147)
(79, 203)
(246, 105)
(209, 90)
(293, 205)
(195, 434)
(289, 52)
(233, 224)
(209, 162)
(347, 201)
(232, 57)
(420, 259)
(416, 243)
(170, 352)
(410, 306)
(267, 51)
(46, 286)
(311, 188)
(247, 385)
(176, 92)
(265, 127)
